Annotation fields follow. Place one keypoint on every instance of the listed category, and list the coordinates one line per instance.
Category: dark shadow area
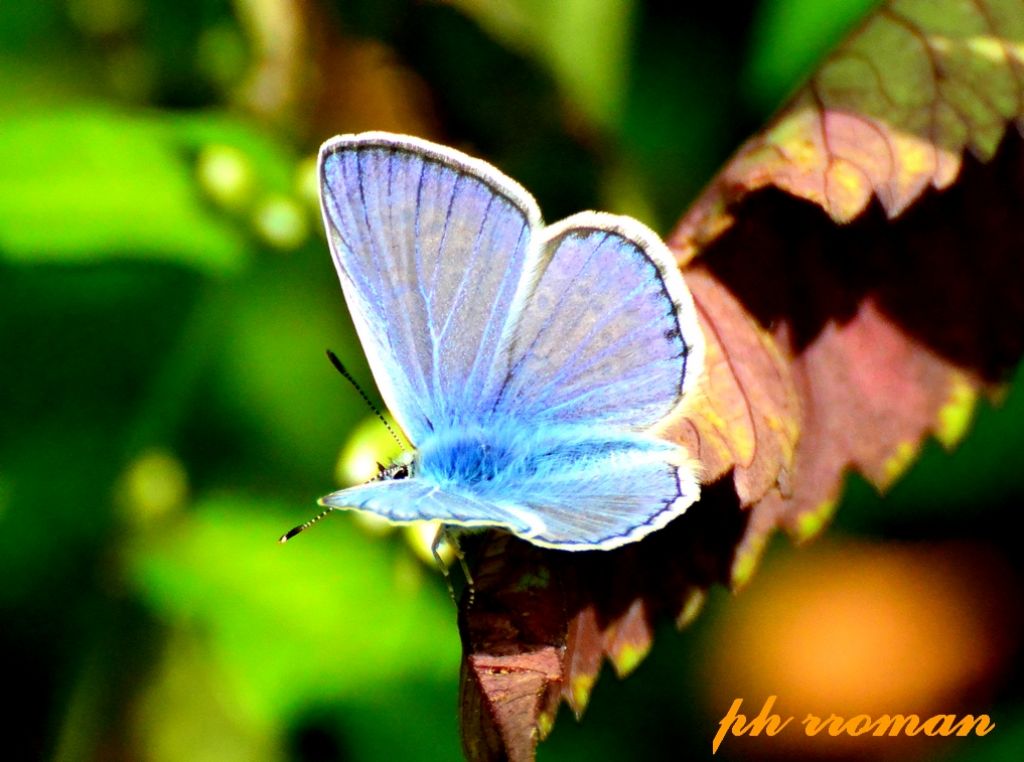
(948, 272)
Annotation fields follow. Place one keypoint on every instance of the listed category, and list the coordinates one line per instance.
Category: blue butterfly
(531, 366)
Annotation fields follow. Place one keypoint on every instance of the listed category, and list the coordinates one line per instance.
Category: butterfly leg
(441, 536)
(452, 539)
(446, 536)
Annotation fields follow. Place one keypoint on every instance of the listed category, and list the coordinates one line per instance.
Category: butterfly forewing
(430, 253)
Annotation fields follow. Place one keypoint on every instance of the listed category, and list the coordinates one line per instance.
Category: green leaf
(329, 617)
(90, 184)
(583, 43)
(790, 37)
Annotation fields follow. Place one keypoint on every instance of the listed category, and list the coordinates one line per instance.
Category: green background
(166, 410)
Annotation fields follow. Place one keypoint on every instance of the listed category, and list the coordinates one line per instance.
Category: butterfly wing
(609, 344)
(405, 501)
(473, 314)
(588, 494)
(628, 490)
(430, 246)
(609, 334)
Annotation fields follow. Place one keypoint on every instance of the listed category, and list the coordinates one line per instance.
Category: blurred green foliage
(165, 300)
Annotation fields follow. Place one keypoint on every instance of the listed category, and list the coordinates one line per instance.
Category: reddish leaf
(889, 328)
(746, 415)
(531, 603)
(889, 113)
(851, 310)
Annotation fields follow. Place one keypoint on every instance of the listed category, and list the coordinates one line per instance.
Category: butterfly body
(511, 461)
(531, 366)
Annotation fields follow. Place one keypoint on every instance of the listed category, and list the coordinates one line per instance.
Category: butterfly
(531, 366)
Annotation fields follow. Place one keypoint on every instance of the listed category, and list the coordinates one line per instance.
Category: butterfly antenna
(348, 377)
(303, 527)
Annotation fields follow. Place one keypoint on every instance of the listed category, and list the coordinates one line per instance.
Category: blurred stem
(118, 644)
(82, 724)
(161, 415)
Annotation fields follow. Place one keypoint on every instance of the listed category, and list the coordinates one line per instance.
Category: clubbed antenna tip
(303, 527)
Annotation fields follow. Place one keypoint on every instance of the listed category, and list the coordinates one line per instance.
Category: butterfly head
(401, 468)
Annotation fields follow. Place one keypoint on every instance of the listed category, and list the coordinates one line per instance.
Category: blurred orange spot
(850, 629)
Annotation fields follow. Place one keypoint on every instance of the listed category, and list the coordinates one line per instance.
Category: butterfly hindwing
(573, 490)
(405, 501)
(609, 335)
(630, 489)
